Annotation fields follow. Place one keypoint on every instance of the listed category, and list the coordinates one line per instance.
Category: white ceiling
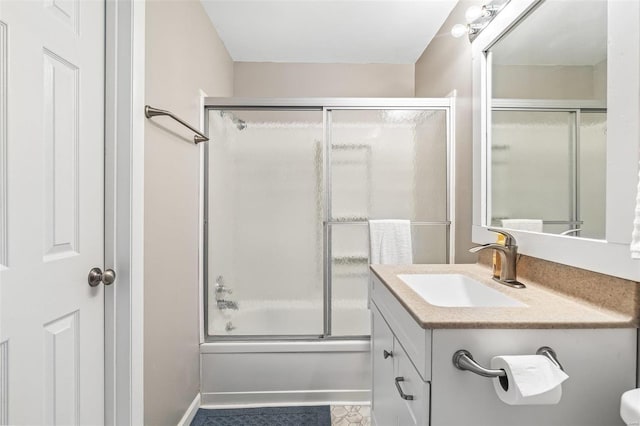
(328, 31)
(559, 32)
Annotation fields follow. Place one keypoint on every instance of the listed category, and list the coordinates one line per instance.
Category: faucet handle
(509, 240)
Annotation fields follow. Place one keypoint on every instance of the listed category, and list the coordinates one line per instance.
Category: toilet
(630, 407)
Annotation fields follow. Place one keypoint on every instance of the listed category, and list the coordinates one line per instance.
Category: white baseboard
(284, 404)
(286, 398)
(191, 412)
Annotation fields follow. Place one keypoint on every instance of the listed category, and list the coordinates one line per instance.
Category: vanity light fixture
(477, 18)
(476, 12)
(459, 30)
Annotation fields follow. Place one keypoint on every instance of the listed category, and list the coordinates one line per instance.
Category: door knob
(96, 276)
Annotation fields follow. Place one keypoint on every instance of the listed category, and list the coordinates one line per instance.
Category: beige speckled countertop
(545, 308)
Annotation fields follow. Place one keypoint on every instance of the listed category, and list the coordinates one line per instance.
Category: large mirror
(547, 129)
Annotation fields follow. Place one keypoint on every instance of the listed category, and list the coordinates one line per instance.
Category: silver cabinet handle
(386, 354)
(402, 394)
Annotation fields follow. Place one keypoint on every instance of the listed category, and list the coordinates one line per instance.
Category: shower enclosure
(290, 185)
(549, 162)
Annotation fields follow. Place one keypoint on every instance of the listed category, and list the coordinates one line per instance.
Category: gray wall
(271, 79)
(444, 66)
(550, 82)
(177, 33)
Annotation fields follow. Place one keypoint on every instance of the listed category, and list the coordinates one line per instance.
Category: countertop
(545, 308)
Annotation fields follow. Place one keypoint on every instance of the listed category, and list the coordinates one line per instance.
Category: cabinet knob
(386, 354)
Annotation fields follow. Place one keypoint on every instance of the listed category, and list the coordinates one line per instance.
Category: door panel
(61, 374)
(414, 412)
(51, 214)
(384, 393)
(60, 121)
(265, 223)
(4, 344)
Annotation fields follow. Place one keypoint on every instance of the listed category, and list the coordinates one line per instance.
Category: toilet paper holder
(463, 360)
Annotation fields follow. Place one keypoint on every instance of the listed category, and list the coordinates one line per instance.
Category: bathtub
(289, 317)
(273, 372)
(285, 372)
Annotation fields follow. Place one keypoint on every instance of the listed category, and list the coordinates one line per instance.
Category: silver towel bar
(463, 360)
(150, 112)
(366, 222)
(548, 222)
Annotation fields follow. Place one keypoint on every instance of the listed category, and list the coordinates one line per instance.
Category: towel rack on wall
(548, 222)
(150, 112)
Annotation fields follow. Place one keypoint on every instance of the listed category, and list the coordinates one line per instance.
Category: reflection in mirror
(548, 121)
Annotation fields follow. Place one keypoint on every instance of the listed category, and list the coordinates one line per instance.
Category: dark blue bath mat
(269, 416)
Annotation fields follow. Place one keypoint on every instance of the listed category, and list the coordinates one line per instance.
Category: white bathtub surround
(390, 242)
(289, 317)
(285, 373)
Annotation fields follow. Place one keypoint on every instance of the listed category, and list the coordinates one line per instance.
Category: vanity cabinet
(600, 363)
(400, 395)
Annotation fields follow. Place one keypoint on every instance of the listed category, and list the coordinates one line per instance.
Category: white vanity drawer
(415, 340)
(412, 392)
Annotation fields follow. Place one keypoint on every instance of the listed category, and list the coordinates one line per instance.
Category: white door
(51, 211)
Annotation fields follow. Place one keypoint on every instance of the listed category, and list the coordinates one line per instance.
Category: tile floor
(350, 415)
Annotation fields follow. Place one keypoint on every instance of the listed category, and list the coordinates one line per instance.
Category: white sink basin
(457, 290)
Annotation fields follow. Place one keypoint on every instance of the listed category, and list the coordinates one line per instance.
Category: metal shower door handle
(96, 276)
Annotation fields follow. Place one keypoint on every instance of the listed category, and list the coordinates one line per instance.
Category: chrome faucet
(508, 258)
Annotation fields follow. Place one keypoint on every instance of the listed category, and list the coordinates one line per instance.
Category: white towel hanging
(390, 242)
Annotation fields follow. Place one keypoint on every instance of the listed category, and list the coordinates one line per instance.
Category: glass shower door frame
(326, 106)
(575, 107)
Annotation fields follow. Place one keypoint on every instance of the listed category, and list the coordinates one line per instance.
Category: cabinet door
(411, 393)
(384, 394)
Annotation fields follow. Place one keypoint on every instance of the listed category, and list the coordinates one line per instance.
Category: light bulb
(459, 30)
(473, 13)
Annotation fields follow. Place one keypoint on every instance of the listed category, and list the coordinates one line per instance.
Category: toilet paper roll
(530, 380)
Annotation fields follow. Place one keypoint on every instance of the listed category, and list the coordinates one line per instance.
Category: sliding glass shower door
(550, 165)
(289, 196)
(384, 164)
(265, 222)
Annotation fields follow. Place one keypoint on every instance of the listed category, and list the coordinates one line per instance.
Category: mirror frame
(610, 256)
